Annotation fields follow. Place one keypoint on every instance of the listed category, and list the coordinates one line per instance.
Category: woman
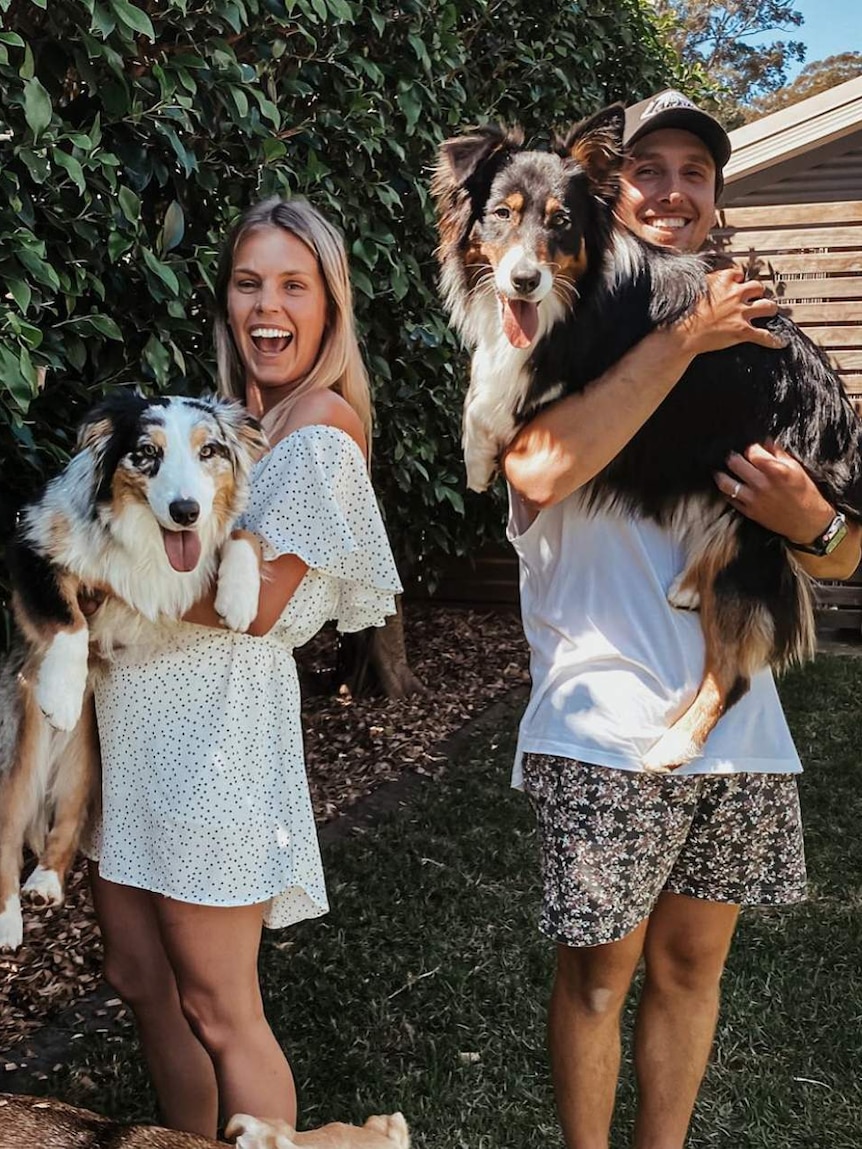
(207, 830)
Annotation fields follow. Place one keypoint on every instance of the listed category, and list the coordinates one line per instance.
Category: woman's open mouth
(271, 340)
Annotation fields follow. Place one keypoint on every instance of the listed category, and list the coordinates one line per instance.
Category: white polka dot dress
(204, 792)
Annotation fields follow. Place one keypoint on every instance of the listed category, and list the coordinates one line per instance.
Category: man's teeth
(270, 333)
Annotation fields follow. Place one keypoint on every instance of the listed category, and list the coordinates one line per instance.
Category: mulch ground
(465, 658)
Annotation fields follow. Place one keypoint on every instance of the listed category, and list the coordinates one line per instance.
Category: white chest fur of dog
(499, 379)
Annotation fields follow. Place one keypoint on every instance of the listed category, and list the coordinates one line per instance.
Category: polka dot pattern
(205, 797)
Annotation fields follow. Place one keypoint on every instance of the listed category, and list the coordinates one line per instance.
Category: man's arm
(570, 441)
(771, 487)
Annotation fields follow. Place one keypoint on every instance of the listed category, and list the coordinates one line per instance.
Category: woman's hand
(770, 486)
(724, 316)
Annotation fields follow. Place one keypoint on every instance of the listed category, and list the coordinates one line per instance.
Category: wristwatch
(826, 543)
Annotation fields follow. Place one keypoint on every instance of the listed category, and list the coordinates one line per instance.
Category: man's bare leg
(685, 949)
(584, 1034)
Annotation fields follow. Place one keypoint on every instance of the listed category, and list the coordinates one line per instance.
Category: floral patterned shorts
(613, 840)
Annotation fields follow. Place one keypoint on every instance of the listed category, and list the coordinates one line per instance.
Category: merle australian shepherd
(548, 291)
(143, 515)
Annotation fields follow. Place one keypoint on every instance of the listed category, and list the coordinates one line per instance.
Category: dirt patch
(466, 658)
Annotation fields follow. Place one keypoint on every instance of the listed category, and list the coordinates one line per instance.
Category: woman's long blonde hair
(339, 365)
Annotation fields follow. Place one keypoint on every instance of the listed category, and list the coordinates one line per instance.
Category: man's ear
(596, 144)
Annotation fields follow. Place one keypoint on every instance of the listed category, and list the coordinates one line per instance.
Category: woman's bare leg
(137, 967)
(213, 952)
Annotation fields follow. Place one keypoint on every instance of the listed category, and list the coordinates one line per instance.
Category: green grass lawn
(425, 989)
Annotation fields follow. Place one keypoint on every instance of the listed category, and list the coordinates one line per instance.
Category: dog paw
(683, 596)
(672, 750)
(11, 924)
(44, 886)
(392, 1126)
(238, 591)
(62, 679)
(254, 1133)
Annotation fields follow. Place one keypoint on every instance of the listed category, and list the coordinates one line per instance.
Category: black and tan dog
(548, 291)
(143, 514)
(43, 1123)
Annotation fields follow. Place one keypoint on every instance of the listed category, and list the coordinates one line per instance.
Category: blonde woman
(207, 831)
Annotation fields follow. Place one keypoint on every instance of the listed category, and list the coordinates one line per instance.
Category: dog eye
(559, 219)
(148, 451)
(210, 450)
(502, 212)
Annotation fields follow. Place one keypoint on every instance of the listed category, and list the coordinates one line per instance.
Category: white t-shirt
(613, 664)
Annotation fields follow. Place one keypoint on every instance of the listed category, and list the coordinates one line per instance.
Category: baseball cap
(672, 109)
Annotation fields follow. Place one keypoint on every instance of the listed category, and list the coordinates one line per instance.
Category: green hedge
(133, 133)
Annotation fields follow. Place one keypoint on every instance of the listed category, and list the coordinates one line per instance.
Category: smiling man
(638, 866)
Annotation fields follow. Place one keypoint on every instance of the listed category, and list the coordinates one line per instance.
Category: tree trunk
(377, 658)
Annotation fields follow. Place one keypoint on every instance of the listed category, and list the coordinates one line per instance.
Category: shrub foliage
(132, 134)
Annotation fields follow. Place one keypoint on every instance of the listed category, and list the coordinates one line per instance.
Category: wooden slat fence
(810, 257)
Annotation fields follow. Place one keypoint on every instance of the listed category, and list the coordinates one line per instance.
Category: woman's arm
(281, 576)
(570, 441)
(772, 487)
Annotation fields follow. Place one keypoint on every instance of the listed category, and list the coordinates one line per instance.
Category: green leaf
(20, 291)
(38, 268)
(159, 359)
(106, 326)
(133, 17)
(37, 164)
(165, 274)
(130, 204)
(72, 166)
(173, 228)
(117, 245)
(37, 107)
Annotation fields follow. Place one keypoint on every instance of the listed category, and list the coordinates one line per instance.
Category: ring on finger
(737, 487)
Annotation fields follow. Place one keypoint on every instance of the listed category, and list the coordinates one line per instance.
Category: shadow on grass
(425, 989)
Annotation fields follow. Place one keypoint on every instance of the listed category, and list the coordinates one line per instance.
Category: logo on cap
(665, 102)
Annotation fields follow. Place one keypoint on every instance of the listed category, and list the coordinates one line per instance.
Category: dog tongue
(520, 321)
(183, 549)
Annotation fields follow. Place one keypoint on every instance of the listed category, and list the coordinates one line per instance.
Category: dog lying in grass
(43, 1123)
(143, 516)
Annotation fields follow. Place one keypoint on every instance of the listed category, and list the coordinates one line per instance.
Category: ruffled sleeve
(311, 496)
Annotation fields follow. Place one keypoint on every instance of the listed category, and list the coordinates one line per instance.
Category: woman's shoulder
(326, 408)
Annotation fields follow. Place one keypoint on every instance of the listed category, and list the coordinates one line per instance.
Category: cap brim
(689, 120)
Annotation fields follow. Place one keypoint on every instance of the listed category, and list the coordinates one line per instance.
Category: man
(636, 865)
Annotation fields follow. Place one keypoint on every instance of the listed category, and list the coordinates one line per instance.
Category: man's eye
(502, 212)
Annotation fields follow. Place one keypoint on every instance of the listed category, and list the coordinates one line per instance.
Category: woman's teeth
(271, 339)
(671, 222)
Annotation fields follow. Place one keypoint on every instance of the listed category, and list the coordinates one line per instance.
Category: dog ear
(596, 143)
(100, 422)
(466, 168)
(243, 429)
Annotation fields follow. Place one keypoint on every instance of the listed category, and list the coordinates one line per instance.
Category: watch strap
(825, 543)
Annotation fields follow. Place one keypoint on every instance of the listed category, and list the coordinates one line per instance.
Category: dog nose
(526, 281)
(185, 511)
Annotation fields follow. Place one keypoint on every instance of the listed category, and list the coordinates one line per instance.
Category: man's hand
(724, 316)
(770, 486)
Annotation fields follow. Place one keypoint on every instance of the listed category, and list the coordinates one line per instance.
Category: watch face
(835, 539)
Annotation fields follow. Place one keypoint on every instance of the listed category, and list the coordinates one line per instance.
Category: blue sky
(831, 27)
